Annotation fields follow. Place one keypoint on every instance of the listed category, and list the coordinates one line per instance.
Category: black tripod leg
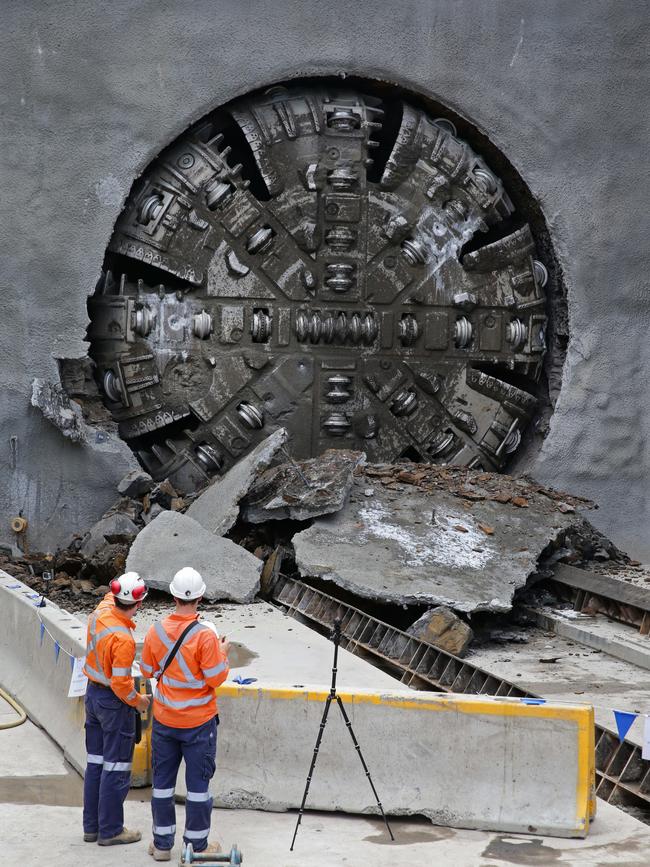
(328, 702)
(363, 762)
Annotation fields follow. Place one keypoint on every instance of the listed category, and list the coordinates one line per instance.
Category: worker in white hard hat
(111, 707)
(189, 661)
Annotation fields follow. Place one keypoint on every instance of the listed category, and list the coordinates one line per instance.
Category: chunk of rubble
(444, 629)
(217, 508)
(135, 484)
(113, 529)
(421, 537)
(173, 540)
(302, 489)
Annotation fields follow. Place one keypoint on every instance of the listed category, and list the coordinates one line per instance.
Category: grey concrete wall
(91, 92)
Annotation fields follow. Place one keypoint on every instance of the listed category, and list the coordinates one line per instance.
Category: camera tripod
(333, 696)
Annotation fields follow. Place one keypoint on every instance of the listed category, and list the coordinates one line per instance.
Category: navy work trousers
(110, 738)
(198, 747)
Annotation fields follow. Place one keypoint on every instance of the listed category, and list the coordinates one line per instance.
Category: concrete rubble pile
(174, 540)
(445, 542)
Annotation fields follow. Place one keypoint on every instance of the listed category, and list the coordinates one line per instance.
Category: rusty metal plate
(265, 273)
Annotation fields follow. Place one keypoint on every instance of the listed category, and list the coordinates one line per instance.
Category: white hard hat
(187, 584)
(129, 587)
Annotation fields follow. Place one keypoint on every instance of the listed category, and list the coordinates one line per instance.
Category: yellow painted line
(462, 704)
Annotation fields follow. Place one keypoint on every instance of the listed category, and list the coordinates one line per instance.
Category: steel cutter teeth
(268, 255)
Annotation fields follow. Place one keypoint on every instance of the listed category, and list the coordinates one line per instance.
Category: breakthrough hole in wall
(348, 259)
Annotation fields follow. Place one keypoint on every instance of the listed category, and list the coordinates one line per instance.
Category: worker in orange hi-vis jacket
(189, 661)
(111, 706)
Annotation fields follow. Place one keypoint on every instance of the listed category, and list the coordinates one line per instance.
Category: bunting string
(42, 627)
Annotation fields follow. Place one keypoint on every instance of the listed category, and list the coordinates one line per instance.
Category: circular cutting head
(267, 273)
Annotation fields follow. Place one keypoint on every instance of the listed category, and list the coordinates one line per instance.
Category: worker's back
(184, 696)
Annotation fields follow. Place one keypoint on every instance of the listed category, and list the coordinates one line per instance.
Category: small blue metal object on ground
(233, 858)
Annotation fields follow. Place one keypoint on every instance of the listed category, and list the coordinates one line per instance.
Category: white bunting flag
(645, 752)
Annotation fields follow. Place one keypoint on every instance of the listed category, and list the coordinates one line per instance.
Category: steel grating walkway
(622, 776)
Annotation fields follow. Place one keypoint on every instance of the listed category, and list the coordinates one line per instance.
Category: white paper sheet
(78, 681)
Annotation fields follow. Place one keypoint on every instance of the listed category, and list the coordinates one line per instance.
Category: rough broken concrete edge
(428, 600)
(258, 564)
(230, 517)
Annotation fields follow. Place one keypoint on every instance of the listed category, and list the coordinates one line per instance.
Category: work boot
(125, 836)
(89, 837)
(160, 854)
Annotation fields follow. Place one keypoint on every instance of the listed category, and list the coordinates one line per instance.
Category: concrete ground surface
(271, 646)
(562, 669)
(40, 824)
(597, 632)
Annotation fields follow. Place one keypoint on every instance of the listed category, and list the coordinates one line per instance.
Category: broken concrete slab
(444, 629)
(135, 484)
(302, 489)
(434, 535)
(114, 528)
(217, 508)
(173, 540)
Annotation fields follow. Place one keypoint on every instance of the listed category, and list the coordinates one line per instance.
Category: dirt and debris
(115, 529)
(137, 483)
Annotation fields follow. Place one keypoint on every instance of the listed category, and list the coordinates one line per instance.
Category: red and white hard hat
(129, 588)
(187, 584)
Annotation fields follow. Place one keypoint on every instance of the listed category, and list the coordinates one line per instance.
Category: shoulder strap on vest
(174, 650)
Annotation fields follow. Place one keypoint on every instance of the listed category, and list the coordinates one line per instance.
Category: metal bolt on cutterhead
(336, 424)
(407, 329)
(260, 326)
(516, 332)
(339, 276)
(414, 251)
(202, 325)
(250, 415)
(150, 208)
(463, 332)
(209, 457)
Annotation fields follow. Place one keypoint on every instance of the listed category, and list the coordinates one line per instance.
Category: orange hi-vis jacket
(184, 697)
(110, 650)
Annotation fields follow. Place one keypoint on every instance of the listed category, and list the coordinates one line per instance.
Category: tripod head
(336, 630)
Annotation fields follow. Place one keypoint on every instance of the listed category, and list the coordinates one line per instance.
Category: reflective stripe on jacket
(110, 649)
(185, 695)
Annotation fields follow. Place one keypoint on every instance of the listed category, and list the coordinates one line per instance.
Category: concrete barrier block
(32, 673)
(465, 761)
